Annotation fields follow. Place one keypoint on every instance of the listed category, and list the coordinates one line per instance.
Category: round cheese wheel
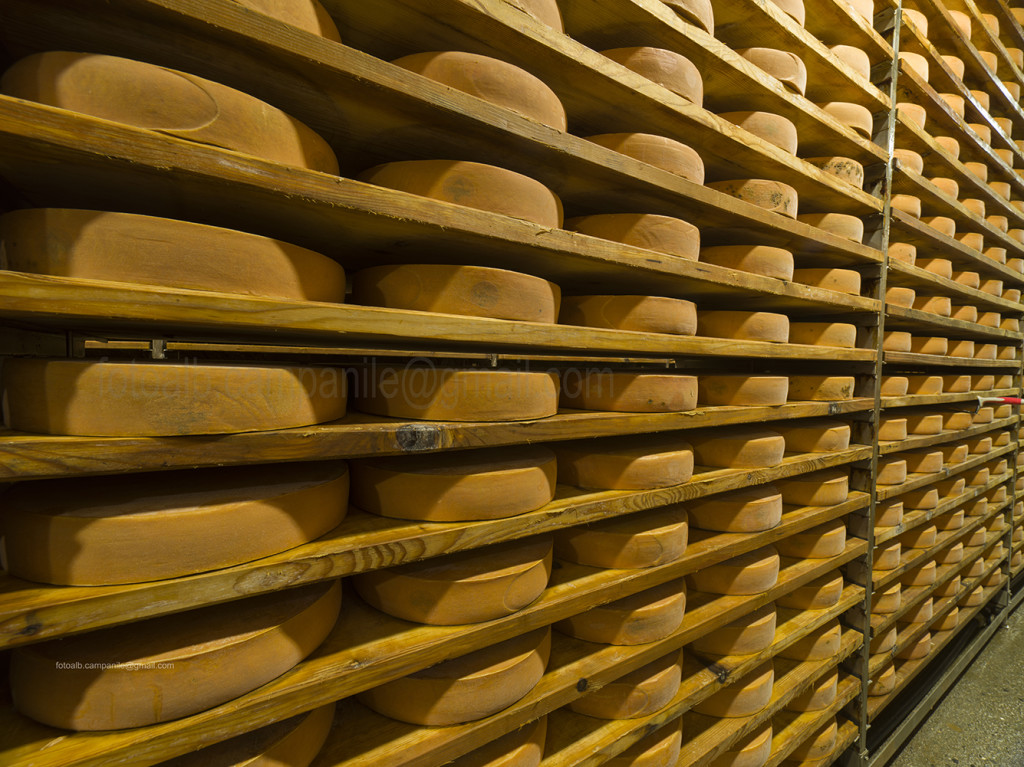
(891, 471)
(820, 388)
(980, 170)
(660, 748)
(950, 556)
(921, 613)
(985, 352)
(1016, 55)
(924, 384)
(974, 205)
(642, 462)
(983, 98)
(640, 618)
(900, 297)
(979, 445)
(1002, 223)
(641, 313)
(740, 390)
(757, 259)
(124, 247)
(955, 102)
(819, 696)
(854, 116)
(896, 341)
(1014, 90)
(912, 113)
(924, 498)
(909, 160)
(818, 594)
(954, 454)
(884, 683)
(947, 623)
(965, 313)
(752, 509)
(855, 58)
(940, 266)
(492, 80)
(154, 526)
(466, 688)
(894, 386)
(819, 744)
(622, 391)
(984, 415)
(659, 151)
(744, 636)
(495, 483)
(466, 587)
(844, 168)
(819, 488)
(667, 68)
(903, 252)
(975, 597)
(922, 537)
(990, 60)
(908, 203)
(474, 185)
(983, 382)
(887, 601)
(992, 287)
(752, 573)
(947, 186)
(976, 568)
(941, 224)
(923, 461)
(954, 520)
(935, 345)
(948, 589)
(914, 62)
(917, 19)
(750, 751)
(663, 234)
(636, 694)
(924, 423)
(744, 326)
(839, 334)
(784, 66)
(476, 291)
(956, 420)
(742, 698)
(773, 196)
(773, 128)
(888, 513)
(153, 399)
(795, 10)
(520, 748)
(167, 101)
(955, 64)
(969, 278)
(990, 319)
(739, 449)
(839, 280)
(815, 435)
(971, 240)
(699, 12)
(819, 542)
(978, 477)
(642, 539)
(173, 666)
(977, 538)
(923, 575)
(949, 144)
(546, 12)
(427, 393)
(963, 349)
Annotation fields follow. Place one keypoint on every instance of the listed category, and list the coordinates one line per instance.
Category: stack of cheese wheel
(740, 448)
(635, 694)
(625, 463)
(174, 666)
(156, 399)
(146, 527)
(494, 483)
(624, 391)
(467, 587)
(125, 247)
(467, 688)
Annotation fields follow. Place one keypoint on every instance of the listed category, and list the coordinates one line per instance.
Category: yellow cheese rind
(842, 335)
(174, 666)
(820, 696)
(167, 101)
(630, 463)
(815, 435)
(752, 573)
(146, 527)
(888, 513)
(495, 483)
(818, 594)
(642, 230)
(660, 748)
(784, 66)
(742, 698)
(773, 196)
(840, 280)
(820, 388)
(750, 751)
(854, 116)
(749, 510)
(645, 617)
(661, 152)
(667, 68)
(884, 683)
(520, 748)
(166, 399)
(773, 128)
(747, 635)
(909, 159)
(635, 694)
(840, 224)
(827, 487)
(645, 314)
(756, 259)
(819, 542)
(844, 168)
(644, 539)
(740, 390)
(744, 326)
(891, 471)
(621, 391)
(739, 449)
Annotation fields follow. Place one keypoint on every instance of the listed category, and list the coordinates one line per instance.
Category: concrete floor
(981, 719)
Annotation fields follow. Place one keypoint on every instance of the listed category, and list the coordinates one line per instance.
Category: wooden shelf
(925, 282)
(790, 728)
(917, 400)
(946, 436)
(909, 359)
(1007, 22)
(903, 318)
(836, 21)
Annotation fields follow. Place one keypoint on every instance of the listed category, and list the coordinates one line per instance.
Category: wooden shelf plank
(946, 436)
(909, 359)
(929, 283)
(912, 400)
(903, 318)
(790, 728)
(831, 19)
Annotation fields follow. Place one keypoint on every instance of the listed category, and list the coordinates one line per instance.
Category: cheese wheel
(744, 636)
(520, 748)
(891, 471)
(641, 462)
(896, 341)
(466, 688)
(636, 694)
(969, 278)
(908, 159)
(917, 19)
(941, 224)
(924, 423)
(903, 252)
(819, 542)
(757, 259)
(819, 488)
(956, 420)
(949, 622)
(954, 520)
(625, 392)
(992, 287)
(923, 575)
(976, 538)
(124, 247)
(750, 751)
(990, 319)
(667, 68)
(844, 168)
(888, 601)
(983, 98)
(1016, 55)
(427, 393)
(740, 390)
(752, 573)
(979, 445)
(922, 537)
(173, 666)
(742, 698)
(749, 510)
(475, 291)
(924, 384)
(1002, 223)
(955, 102)
(935, 345)
(660, 748)
(840, 280)
(466, 587)
(980, 170)
(963, 349)
(888, 513)
(773, 128)
(495, 483)
(473, 185)
(996, 254)
(167, 101)
(940, 305)
(923, 461)
(912, 113)
(491, 80)
(855, 58)
(839, 334)
(921, 613)
(983, 382)
(915, 63)
(642, 230)
(971, 240)
(699, 12)
(820, 388)
(954, 454)
(154, 526)
(975, 598)
(949, 145)
(976, 568)
(884, 683)
(784, 66)
(964, 313)
(744, 326)
(819, 744)
(819, 696)
(640, 618)
(974, 205)
(773, 196)
(978, 477)
(984, 415)
(854, 116)
(152, 399)
(739, 449)
(818, 594)
(659, 151)
(907, 203)
(955, 64)
(923, 498)
(990, 60)
(940, 266)
(948, 589)
(1013, 88)
(642, 539)
(950, 556)
(894, 386)
(985, 352)
(815, 435)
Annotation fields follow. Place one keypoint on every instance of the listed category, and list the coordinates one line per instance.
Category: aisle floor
(981, 720)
